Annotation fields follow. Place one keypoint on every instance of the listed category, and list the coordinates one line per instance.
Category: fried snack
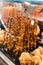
(37, 56)
(1, 36)
(24, 30)
(33, 58)
(6, 39)
(25, 58)
(41, 50)
(9, 41)
(42, 33)
(36, 52)
(41, 63)
(36, 60)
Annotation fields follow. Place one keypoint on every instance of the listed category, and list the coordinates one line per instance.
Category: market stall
(21, 34)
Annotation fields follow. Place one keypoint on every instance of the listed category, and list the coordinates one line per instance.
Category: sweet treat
(25, 58)
(33, 58)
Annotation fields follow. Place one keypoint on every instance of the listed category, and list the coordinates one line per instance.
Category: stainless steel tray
(5, 60)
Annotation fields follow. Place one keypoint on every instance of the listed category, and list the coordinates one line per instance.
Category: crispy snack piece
(33, 58)
(25, 59)
(1, 36)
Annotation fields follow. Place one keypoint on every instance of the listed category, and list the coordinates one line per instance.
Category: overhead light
(32, 22)
(27, 3)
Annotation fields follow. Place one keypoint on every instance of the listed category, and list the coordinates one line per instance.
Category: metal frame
(8, 61)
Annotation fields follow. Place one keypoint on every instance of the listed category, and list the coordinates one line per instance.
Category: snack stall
(21, 33)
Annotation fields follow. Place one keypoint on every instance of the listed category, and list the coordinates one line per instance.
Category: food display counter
(21, 34)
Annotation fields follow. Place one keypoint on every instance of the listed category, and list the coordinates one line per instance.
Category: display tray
(12, 57)
(2, 62)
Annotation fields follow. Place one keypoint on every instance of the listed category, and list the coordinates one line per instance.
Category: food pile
(33, 58)
(22, 32)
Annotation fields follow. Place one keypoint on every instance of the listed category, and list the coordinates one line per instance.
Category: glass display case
(21, 38)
